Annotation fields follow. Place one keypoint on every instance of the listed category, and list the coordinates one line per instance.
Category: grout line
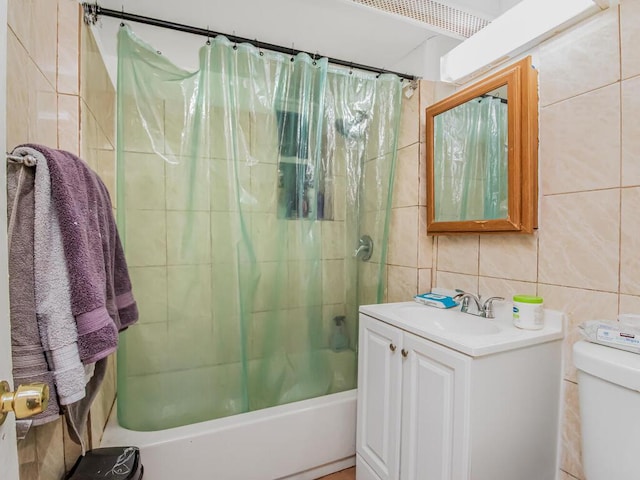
(591, 90)
(621, 165)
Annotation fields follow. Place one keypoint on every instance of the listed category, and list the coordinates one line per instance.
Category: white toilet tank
(609, 389)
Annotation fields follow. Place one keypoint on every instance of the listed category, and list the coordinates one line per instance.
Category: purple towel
(101, 297)
(29, 361)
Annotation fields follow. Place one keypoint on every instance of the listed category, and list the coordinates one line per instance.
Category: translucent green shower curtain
(243, 188)
(471, 161)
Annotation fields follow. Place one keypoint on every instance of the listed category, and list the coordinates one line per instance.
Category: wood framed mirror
(482, 156)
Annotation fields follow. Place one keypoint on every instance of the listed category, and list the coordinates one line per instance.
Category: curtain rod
(92, 12)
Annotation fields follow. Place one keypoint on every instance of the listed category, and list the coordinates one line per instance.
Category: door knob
(27, 401)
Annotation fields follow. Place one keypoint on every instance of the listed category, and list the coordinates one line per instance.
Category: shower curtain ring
(121, 15)
(293, 52)
(314, 63)
(208, 36)
(351, 68)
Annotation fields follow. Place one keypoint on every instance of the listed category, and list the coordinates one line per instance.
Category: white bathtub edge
(303, 439)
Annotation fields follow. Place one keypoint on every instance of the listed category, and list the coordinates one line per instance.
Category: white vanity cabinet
(429, 412)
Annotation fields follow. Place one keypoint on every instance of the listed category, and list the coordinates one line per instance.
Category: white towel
(58, 331)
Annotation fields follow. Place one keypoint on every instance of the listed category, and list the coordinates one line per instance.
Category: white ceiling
(335, 28)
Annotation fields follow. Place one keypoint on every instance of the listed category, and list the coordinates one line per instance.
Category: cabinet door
(435, 412)
(379, 384)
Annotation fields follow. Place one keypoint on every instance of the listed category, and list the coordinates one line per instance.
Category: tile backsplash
(583, 259)
(52, 101)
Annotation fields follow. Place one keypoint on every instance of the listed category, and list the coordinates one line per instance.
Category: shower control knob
(392, 347)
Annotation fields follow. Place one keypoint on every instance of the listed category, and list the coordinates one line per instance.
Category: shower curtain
(243, 188)
(471, 161)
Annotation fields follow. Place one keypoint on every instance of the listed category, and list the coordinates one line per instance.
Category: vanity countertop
(468, 334)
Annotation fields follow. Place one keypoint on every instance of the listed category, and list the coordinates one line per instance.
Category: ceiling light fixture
(515, 31)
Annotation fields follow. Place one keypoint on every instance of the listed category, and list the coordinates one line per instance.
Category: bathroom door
(8, 449)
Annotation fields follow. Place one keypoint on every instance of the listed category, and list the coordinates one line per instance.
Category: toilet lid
(613, 365)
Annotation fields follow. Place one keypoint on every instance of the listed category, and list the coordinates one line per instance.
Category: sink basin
(458, 323)
(468, 334)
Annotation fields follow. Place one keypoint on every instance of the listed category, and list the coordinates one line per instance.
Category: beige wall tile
(150, 289)
(269, 235)
(50, 451)
(425, 242)
(571, 459)
(579, 240)
(264, 189)
(631, 131)
(333, 288)
(18, 19)
(68, 47)
(96, 88)
(424, 280)
(145, 182)
(630, 37)
(409, 120)
(154, 358)
(368, 275)
(69, 123)
(458, 254)
(405, 189)
(105, 167)
(452, 281)
(629, 304)
(566, 476)
(402, 283)
(630, 242)
(403, 237)
(580, 142)
(584, 58)
(334, 244)
(579, 306)
(17, 95)
(509, 256)
(188, 240)
(29, 471)
(422, 175)
(44, 28)
(188, 286)
(427, 98)
(43, 109)
(103, 403)
(500, 287)
(27, 449)
(146, 241)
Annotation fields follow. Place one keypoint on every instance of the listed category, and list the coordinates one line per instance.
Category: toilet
(609, 391)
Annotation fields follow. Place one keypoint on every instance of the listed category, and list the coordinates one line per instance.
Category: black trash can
(112, 463)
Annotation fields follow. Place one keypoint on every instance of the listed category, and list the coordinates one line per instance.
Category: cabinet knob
(392, 347)
(404, 353)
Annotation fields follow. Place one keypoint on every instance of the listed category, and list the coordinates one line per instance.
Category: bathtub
(302, 440)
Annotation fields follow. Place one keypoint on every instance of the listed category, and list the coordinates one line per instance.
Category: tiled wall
(584, 258)
(50, 101)
(158, 208)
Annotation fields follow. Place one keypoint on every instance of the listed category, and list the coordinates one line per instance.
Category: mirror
(482, 156)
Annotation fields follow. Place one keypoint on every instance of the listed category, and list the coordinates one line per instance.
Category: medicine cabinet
(482, 156)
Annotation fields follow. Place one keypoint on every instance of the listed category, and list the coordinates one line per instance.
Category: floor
(348, 474)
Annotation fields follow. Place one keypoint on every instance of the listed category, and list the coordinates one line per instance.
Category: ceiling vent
(435, 14)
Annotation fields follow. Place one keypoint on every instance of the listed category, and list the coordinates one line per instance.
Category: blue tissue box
(435, 300)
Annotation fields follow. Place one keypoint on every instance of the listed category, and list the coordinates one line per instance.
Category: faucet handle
(487, 306)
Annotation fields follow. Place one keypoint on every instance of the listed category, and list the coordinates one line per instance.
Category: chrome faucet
(483, 309)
